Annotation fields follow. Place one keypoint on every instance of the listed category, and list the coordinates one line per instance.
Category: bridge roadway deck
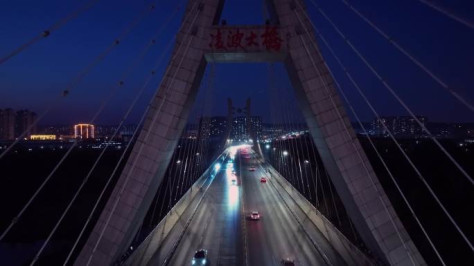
(221, 225)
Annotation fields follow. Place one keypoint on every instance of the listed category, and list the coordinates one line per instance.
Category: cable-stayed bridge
(167, 196)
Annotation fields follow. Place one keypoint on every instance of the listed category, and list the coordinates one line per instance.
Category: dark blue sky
(34, 78)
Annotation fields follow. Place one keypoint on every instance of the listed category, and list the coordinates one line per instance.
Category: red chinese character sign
(246, 39)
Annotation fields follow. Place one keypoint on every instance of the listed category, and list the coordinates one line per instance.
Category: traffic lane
(311, 229)
(277, 235)
(215, 226)
(281, 235)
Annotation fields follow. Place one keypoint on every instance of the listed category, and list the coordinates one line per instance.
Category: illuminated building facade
(43, 137)
(84, 131)
(240, 130)
(212, 127)
(401, 126)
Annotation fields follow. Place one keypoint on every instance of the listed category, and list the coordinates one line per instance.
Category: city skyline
(54, 67)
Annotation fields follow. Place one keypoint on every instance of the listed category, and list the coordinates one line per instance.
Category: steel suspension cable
(332, 197)
(276, 119)
(305, 150)
(394, 94)
(195, 171)
(412, 58)
(118, 163)
(448, 13)
(311, 174)
(77, 79)
(188, 151)
(194, 168)
(124, 118)
(209, 91)
(291, 144)
(141, 147)
(315, 156)
(116, 167)
(49, 30)
(297, 145)
(384, 163)
(173, 172)
(347, 132)
(65, 156)
(285, 111)
(155, 204)
(180, 170)
(273, 119)
(184, 183)
(299, 149)
(420, 176)
(286, 165)
(120, 193)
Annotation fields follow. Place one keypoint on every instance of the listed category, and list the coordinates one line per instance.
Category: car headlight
(194, 261)
(203, 261)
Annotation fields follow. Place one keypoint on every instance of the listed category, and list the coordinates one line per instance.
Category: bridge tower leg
(348, 166)
(343, 157)
(152, 152)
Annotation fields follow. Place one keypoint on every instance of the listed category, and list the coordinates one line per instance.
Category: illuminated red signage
(266, 38)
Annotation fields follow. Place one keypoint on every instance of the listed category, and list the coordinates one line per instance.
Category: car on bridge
(263, 180)
(254, 215)
(200, 258)
(287, 262)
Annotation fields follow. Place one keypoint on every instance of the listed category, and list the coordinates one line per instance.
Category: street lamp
(285, 153)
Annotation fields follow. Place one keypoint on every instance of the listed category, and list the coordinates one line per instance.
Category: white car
(200, 258)
(287, 262)
(255, 215)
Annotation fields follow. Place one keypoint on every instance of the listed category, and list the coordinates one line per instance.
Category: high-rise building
(240, 127)
(212, 127)
(401, 126)
(25, 123)
(84, 131)
(7, 124)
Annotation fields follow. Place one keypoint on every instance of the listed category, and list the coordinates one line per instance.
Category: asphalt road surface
(222, 226)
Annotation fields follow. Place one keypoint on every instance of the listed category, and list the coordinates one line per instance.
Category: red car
(263, 180)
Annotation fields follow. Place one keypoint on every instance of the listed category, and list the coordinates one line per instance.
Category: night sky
(34, 78)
